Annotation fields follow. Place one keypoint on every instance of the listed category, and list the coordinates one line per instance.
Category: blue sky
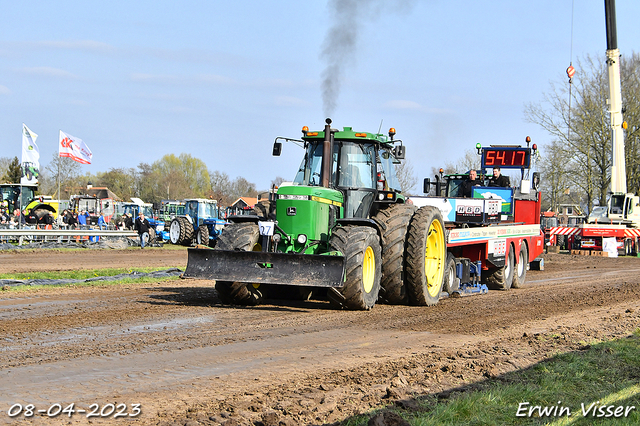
(220, 80)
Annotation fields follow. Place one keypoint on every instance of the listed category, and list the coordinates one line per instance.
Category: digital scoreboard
(506, 157)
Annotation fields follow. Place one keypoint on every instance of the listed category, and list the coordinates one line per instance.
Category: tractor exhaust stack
(327, 151)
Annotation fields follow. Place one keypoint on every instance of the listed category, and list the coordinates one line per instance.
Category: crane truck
(622, 218)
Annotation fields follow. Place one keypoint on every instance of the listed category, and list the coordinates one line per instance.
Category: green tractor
(341, 230)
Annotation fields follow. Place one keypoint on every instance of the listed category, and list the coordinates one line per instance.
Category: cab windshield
(351, 165)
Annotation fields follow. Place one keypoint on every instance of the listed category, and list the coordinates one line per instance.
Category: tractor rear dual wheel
(394, 221)
(202, 235)
(240, 236)
(360, 246)
(425, 256)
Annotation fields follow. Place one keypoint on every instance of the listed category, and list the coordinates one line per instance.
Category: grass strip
(599, 385)
(96, 277)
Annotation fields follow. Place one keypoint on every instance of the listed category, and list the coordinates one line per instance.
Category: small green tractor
(341, 230)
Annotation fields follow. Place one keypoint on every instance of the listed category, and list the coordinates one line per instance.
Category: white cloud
(4, 90)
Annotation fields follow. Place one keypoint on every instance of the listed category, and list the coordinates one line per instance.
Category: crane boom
(618, 168)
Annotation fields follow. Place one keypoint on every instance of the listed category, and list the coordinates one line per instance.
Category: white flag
(70, 146)
(30, 157)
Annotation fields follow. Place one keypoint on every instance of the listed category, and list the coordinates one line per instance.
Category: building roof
(243, 202)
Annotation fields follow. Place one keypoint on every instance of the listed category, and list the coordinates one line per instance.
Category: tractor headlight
(276, 238)
(302, 238)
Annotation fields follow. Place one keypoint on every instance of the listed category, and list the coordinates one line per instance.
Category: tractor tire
(240, 236)
(426, 256)
(152, 236)
(363, 267)
(202, 235)
(502, 278)
(450, 282)
(520, 271)
(265, 209)
(189, 232)
(393, 222)
(178, 231)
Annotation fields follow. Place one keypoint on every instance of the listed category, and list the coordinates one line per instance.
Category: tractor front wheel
(240, 236)
(360, 246)
(426, 256)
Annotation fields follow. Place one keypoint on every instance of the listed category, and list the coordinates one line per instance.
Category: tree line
(171, 177)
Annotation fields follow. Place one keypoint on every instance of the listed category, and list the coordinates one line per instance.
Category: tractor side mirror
(277, 149)
(426, 187)
(399, 152)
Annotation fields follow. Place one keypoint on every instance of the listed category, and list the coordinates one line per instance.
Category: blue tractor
(200, 224)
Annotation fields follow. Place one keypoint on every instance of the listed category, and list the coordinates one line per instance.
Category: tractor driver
(467, 185)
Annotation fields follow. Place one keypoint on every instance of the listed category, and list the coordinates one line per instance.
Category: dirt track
(172, 348)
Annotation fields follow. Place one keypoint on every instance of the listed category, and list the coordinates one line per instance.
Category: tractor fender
(360, 222)
(243, 218)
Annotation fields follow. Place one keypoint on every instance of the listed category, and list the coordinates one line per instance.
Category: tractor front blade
(266, 268)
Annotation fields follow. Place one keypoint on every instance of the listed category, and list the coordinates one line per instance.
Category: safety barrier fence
(59, 235)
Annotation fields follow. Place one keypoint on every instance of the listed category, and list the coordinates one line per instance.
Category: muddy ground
(188, 360)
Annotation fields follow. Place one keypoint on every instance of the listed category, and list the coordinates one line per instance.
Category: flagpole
(59, 193)
(20, 194)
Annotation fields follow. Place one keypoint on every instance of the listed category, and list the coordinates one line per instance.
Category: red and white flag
(70, 146)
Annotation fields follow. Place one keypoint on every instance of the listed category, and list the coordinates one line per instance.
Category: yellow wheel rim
(434, 257)
(368, 269)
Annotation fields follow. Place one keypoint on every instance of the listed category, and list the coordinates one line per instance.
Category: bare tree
(61, 172)
(406, 176)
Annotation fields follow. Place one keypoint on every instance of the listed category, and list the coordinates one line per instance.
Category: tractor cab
(357, 167)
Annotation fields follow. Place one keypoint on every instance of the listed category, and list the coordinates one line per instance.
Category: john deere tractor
(341, 230)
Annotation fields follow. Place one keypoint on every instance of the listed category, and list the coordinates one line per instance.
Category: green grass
(78, 275)
(608, 372)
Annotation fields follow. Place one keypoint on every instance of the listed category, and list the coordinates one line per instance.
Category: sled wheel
(520, 273)
(502, 278)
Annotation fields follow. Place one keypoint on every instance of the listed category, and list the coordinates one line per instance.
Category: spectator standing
(142, 226)
(102, 224)
(72, 220)
(82, 219)
(128, 221)
(4, 216)
(61, 220)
